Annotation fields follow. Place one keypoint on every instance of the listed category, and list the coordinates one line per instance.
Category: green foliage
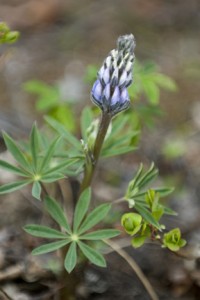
(6, 35)
(44, 160)
(34, 164)
(146, 222)
(173, 240)
(140, 197)
(131, 223)
(76, 236)
(149, 82)
(115, 143)
(49, 102)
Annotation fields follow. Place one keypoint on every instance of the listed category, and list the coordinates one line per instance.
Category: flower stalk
(110, 94)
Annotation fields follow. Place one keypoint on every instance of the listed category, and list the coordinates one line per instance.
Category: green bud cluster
(173, 241)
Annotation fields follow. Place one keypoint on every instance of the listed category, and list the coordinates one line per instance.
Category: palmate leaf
(100, 234)
(16, 152)
(95, 257)
(50, 247)
(71, 258)
(7, 166)
(140, 180)
(81, 208)
(34, 145)
(11, 187)
(94, 217)
(44, 231)
(55, 210)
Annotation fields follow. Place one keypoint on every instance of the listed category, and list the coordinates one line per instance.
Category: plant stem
(135, 268)
(92, 163)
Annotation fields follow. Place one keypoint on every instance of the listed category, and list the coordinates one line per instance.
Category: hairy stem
(134, 267)
(92, 163)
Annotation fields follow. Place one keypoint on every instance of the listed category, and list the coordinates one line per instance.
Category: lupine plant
(44, 160)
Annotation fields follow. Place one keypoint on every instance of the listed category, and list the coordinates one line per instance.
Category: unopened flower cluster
(109, 91)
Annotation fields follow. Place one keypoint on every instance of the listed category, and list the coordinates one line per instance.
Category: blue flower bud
(109, 91)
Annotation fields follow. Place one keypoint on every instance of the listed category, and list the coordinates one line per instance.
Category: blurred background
(60, 38)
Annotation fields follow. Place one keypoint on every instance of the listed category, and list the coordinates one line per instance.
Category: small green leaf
(15, 151)
(169, 211)
(114, 152)
(44, 231)
(95, 257)
(163, 192)
(7, 166)
(36, 190)
(138, 241)
(49, 154)
(34, 145)
(133, 184)
(71, 258)
(55, 210)
(52, 178)
(146, 215)
(11, 187)
(148, 176)
(100, 234)
(81, 208)
(50, 247)
(61, 166)
(94, 217)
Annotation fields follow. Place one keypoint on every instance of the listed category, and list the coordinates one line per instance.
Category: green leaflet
(94, 256)
(15, 151)
(81, 208)
(36, 190)
(44, 231)
(100, 234)
(71, 258)
(50, 247)
(11, 187)
(55, 210)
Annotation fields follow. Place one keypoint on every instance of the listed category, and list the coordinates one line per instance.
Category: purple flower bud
(109, 91)
(106, 76)
(97, 92)
(116, 96)
(106, 92)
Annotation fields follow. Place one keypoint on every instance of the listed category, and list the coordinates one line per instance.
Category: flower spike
(109, 91)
